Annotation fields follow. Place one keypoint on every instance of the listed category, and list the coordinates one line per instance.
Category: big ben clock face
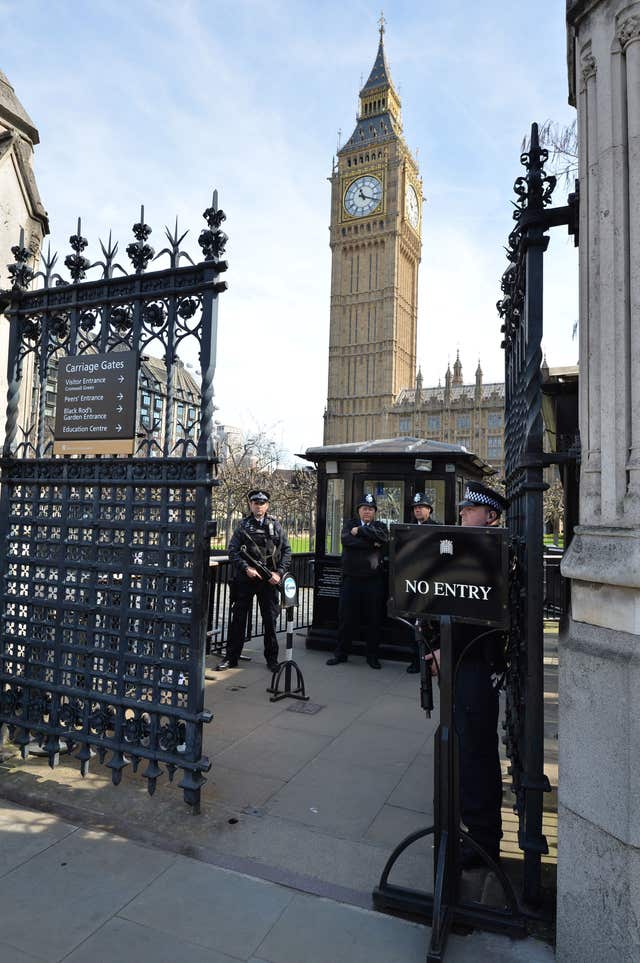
(411, 206)
(363, 196)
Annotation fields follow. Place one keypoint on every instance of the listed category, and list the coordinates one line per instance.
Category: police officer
(422, 509)
(476, 703)
(262, 537)
(422, 515)
(362, 593)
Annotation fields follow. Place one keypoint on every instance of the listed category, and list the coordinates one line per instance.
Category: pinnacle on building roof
(380, 75)
(380, 113)
(13, 113)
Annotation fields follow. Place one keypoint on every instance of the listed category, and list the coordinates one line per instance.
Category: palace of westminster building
(376, 242)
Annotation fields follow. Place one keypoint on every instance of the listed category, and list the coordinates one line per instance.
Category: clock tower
(375, 239)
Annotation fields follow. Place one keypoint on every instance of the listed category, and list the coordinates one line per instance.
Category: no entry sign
(439, 570)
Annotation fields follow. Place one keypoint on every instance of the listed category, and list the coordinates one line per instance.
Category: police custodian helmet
(476, 493)
(421, 498)
(368, 501)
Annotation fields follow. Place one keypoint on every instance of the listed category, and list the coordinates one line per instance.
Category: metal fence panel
(103, 598)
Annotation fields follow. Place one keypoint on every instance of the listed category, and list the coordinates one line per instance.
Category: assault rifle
(262, 570)
(426, 682)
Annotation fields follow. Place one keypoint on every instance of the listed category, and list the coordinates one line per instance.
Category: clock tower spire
(375, 239)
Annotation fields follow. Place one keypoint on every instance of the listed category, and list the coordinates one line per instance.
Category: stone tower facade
(375, 238)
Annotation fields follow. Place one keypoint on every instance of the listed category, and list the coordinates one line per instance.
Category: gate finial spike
(535, 141)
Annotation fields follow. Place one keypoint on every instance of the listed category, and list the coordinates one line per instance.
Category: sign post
(448, 573)
(96, 404)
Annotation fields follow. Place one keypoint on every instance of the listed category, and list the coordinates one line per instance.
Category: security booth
(394, 470)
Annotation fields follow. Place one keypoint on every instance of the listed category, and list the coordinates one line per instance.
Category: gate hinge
(533, 844)
(541, 783)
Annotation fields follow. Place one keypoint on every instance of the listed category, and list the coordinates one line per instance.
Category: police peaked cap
(421, 498)
(259, 495)
(368, 501)
(476, 493)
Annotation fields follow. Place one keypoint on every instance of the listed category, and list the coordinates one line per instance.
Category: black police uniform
(267, 542)
(476, 709)
(362, 593)
(420, 499)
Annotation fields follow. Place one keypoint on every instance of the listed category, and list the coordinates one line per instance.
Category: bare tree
(553, 508)
(562, 143)
(249, 462)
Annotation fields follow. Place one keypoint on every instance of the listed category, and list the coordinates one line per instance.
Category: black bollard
(286, 669)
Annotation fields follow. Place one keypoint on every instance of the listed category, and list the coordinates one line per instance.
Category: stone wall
(20, 208)
(599, 811)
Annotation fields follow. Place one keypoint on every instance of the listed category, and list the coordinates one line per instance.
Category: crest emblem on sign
(446, 546)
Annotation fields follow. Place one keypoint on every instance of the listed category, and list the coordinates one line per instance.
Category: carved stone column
(599, 795)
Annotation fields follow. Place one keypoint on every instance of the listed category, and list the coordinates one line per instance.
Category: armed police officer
(422, 507)
(362, 593)
(479, 657)
(259, 536)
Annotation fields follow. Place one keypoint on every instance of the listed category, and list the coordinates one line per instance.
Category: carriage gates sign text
(96, 404)
(437, 570)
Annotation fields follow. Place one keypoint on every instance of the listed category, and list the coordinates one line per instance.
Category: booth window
(435, 489)
(335, 516)
(389, 498)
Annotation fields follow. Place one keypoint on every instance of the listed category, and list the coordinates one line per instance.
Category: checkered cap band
(479, 498)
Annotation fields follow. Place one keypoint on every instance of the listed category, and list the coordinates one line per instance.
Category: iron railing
(521, 310)
(220, 597)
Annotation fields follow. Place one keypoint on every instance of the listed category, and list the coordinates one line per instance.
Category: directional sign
(96, 404)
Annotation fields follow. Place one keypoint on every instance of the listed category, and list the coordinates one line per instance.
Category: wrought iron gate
(521, 311)
(104, 560)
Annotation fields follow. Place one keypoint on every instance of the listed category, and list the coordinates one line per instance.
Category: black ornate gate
(521, 311)
(104, 560)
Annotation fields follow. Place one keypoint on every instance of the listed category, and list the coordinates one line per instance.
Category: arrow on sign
(118, 427)
(121, 379)
(118, 407)
(119, 396)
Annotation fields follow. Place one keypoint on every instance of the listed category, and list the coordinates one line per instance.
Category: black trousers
(360, 613)
(476, 709)
(242, 593)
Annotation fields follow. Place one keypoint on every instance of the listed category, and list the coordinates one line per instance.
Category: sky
(158, 103)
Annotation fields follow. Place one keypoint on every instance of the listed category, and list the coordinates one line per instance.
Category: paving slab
(210, 907)
(414, 790)
(11, 954)
(374, 747)
(269, 751)
(316, 931)
(399, 712)
(59, 897)
(121, 940)
(335, 796)
(24, 834)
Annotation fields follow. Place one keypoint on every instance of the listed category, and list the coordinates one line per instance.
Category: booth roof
(405, 445)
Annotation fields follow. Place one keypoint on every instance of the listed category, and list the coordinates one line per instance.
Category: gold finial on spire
(381, 23)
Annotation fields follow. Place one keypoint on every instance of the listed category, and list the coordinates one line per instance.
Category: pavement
(299, 814)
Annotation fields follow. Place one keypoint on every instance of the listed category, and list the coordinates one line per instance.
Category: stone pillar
(599, 737)
(20, 208)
